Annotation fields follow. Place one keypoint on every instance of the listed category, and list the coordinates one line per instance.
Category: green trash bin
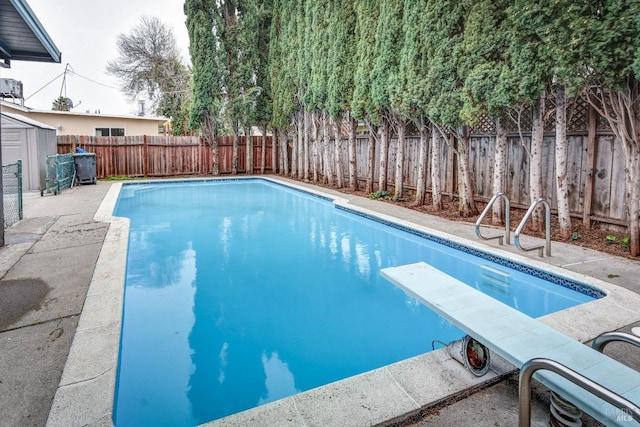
(85, 167)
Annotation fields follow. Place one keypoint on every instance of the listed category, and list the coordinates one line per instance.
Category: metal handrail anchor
(601, 341)
(533, 365)
(507, 232)
(547, 223)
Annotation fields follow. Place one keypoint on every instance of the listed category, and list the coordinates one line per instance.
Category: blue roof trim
(38, 30)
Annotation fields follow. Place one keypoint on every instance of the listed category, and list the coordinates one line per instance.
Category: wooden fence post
(145, 153)
(590, 166)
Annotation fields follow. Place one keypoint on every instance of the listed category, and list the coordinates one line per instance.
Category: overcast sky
(85, 32)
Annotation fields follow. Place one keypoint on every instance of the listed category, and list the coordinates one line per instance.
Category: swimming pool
(173, 257)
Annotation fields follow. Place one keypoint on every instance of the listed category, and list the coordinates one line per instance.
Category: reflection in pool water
(242, 292)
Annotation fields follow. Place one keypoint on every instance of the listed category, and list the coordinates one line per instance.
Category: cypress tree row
(303, 67)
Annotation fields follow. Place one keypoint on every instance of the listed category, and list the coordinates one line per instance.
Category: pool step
(494, 280)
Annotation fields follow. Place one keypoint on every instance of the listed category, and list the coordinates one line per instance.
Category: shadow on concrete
(19, 297)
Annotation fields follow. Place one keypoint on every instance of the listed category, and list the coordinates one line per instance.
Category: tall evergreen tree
(565, 17)
(384, 72)
(532, 74)
(281, 77)
(486, 60)
(207, 72)
(237, 31)
(445, 83)
(317, 93)
(611, 47)
(362, 106)
(340, 72)
(262, 111)
(413, 79)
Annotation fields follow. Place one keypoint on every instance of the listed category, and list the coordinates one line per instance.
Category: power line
(71, 71)
(54, 79)
(75, 73)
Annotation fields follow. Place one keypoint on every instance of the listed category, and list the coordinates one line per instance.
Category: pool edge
(85, 394)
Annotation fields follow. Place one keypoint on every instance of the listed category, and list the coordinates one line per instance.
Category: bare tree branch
(149, 65)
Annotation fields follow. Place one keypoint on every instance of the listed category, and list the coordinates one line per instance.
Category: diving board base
(519, 338)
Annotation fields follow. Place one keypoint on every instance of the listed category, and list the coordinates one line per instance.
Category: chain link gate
(12, 193)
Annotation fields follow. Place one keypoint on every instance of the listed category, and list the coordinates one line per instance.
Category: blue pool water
(242, 292)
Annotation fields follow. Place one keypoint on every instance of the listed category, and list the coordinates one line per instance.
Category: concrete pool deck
(62, 261)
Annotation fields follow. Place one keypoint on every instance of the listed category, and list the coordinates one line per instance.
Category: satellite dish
(69, 103)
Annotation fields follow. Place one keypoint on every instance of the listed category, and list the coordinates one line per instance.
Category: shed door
(15, 147)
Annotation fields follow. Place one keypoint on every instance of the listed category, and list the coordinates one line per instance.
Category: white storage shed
(31, 142)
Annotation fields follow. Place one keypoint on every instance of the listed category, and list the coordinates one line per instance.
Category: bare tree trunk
(466, 188)
(633, 195)
(284, 142)
(249, 148)
(562, 186)
(274, 151)
(210, 133)
(307, 144)
(328, 173)
(300, 143)
(621, 108)
(236, 143)
(632, 189)
(337, 148)
(535, 165)
(632, 181)
(384, 154)
(436, 191)
(263, 150)
(295, 129)
(421, 184)
(350, 124)
(399, 181)
(371, 158)
(316, 145)
(499, 172)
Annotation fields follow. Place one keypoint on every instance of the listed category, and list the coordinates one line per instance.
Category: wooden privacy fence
(595, 169)
(164, 156)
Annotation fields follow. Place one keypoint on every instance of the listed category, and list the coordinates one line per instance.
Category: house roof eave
(14, 46)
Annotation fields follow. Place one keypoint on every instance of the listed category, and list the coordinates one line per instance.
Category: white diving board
(519, 338)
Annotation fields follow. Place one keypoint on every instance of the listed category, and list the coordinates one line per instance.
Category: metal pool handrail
(601, 341)
(547, 224)
(507, 231)
(524, 389)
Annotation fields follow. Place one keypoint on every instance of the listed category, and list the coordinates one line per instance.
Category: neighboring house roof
(79, 114)
(22, 36)
(27, 120)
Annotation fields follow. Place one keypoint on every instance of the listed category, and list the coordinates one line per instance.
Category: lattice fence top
(577, 119)
(522, 116)
(577, 116)
(603, 123)
(487, 125)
